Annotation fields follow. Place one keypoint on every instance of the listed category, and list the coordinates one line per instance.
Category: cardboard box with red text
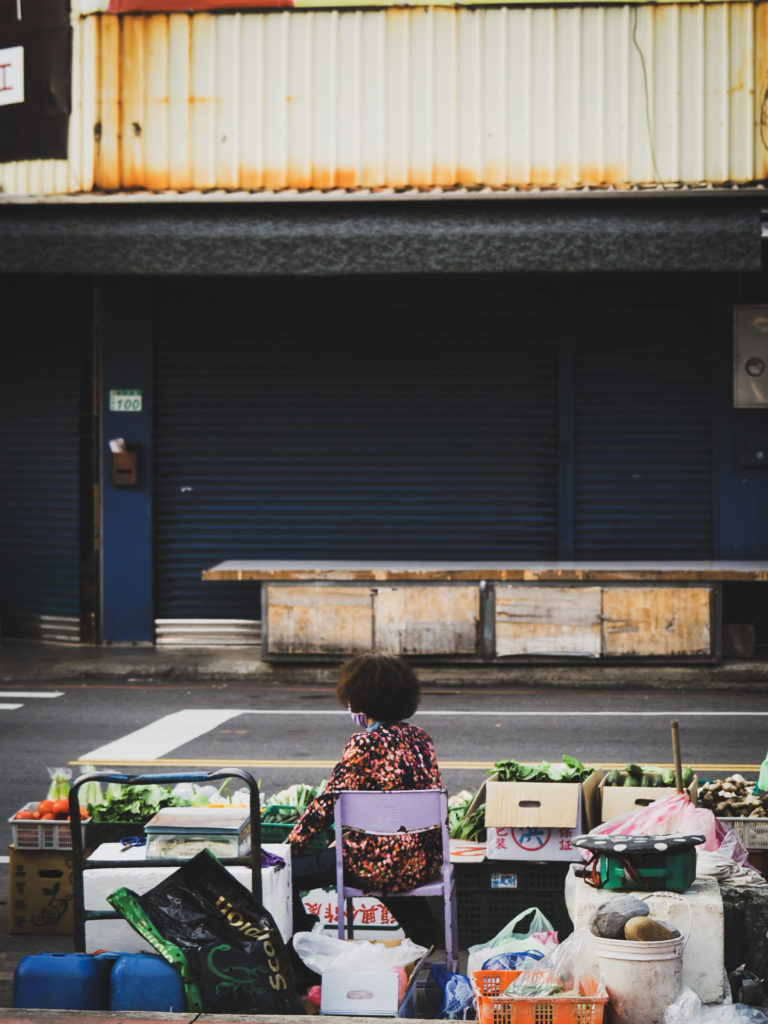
(538, 820)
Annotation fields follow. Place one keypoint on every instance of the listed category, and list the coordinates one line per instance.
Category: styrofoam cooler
(143, 981)
(98, 883)
(62, 981)
(697, 914)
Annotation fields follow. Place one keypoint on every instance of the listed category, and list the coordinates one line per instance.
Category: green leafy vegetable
(462, 824)
(133, 803)
(570, 769)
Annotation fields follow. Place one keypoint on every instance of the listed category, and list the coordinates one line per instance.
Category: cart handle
(78, 901)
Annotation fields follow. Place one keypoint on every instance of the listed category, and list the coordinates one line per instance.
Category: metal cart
(81, 914)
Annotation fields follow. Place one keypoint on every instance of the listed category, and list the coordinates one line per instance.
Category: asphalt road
(295, 735)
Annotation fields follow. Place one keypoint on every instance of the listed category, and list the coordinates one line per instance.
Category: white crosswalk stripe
(27, 695)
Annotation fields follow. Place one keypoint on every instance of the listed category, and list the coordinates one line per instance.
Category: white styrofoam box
(532, 843)
(363, 994)
(98, 883)
(696, 913)
(371, 918)
(370, 993)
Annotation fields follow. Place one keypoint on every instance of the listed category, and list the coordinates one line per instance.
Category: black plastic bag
(223, 941)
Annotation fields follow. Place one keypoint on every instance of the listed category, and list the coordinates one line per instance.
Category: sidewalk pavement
(29, 661)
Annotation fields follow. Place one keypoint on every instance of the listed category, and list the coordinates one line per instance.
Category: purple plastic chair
(390, 812)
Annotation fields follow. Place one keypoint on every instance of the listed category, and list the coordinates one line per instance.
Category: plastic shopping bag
(450, 995)
(688, 1009)
(223, 942)
(569, 968)
(671, 815)
(322, 953)
(518, 945)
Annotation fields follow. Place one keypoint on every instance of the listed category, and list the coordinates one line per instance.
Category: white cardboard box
(111, 933)
(538, 820)
(369, 993)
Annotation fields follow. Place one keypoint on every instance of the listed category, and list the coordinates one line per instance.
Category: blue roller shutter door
(46, 327)
(644, 418)
(406, 418)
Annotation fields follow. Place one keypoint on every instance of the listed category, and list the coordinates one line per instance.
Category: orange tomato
(51, 817)
(24, 814)
(45, 807)
(83, 812)
(61, 807)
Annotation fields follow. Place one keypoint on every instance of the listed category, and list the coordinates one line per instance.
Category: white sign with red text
(533, 843)
(372, 920)
(11, 75)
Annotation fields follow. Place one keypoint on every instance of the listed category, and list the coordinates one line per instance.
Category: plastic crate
(753, 832)
(278, 832)
(36, 834)
(491, 893)
(493, 1008)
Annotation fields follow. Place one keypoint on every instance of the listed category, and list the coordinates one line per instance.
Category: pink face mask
(358, 717)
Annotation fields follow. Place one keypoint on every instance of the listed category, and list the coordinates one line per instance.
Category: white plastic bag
(322, 953)
(688, 1009)
(528, 943)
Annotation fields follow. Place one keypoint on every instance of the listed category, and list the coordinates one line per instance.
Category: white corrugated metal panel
(544, 97)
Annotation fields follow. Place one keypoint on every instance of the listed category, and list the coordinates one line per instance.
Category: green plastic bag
(514, 938)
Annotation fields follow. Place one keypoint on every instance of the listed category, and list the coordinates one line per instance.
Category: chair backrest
(387, 812)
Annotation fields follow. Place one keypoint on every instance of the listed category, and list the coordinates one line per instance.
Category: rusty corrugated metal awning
(643, 232)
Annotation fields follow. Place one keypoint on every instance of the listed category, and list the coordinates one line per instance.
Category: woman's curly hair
(380, 685)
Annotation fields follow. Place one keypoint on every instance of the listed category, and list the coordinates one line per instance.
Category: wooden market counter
(491, 611)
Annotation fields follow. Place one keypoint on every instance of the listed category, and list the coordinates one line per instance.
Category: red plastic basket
(493, 1008)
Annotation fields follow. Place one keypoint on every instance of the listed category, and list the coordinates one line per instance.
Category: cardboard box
(40, 892)
(616, 800)
(538, 820)
(369, 993)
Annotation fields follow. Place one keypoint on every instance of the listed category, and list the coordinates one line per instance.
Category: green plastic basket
(278, 832)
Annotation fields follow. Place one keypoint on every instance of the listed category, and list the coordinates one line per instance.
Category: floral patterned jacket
(393, 755)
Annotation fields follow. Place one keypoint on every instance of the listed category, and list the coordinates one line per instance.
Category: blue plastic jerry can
(62, 981)
(144, 981)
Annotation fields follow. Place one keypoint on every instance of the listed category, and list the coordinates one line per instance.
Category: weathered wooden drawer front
(603, 622)
(657, 621)
(548, 621)
(317, 618)
(312, 619)
(427, 620)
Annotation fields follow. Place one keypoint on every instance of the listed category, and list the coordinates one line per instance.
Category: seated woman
(380, 691)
